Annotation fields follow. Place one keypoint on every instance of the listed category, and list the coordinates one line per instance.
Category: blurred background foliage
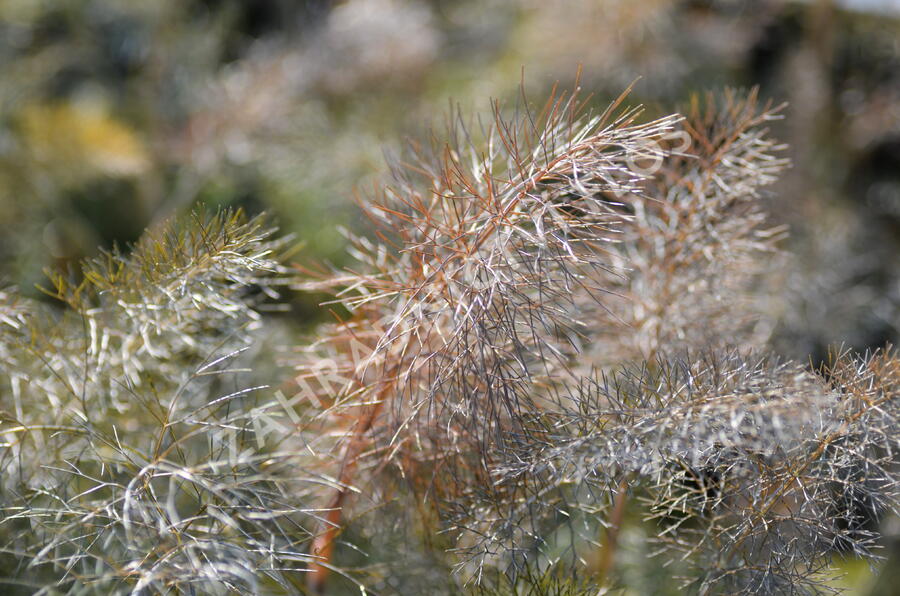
(115, 115)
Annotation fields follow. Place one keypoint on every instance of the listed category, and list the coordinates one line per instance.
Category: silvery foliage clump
(753, 471)
(561, 318)
(132, 458)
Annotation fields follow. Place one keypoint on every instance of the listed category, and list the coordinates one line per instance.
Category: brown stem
(553, 105)
(608, 550)
(323, 544)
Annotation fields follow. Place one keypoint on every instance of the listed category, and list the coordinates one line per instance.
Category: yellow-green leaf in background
(78, 141)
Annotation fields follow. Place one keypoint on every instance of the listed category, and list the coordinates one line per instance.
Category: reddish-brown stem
(323, 544)
(608, 550)
(546, 171)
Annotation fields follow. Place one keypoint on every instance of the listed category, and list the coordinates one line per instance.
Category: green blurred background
(117, 114)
